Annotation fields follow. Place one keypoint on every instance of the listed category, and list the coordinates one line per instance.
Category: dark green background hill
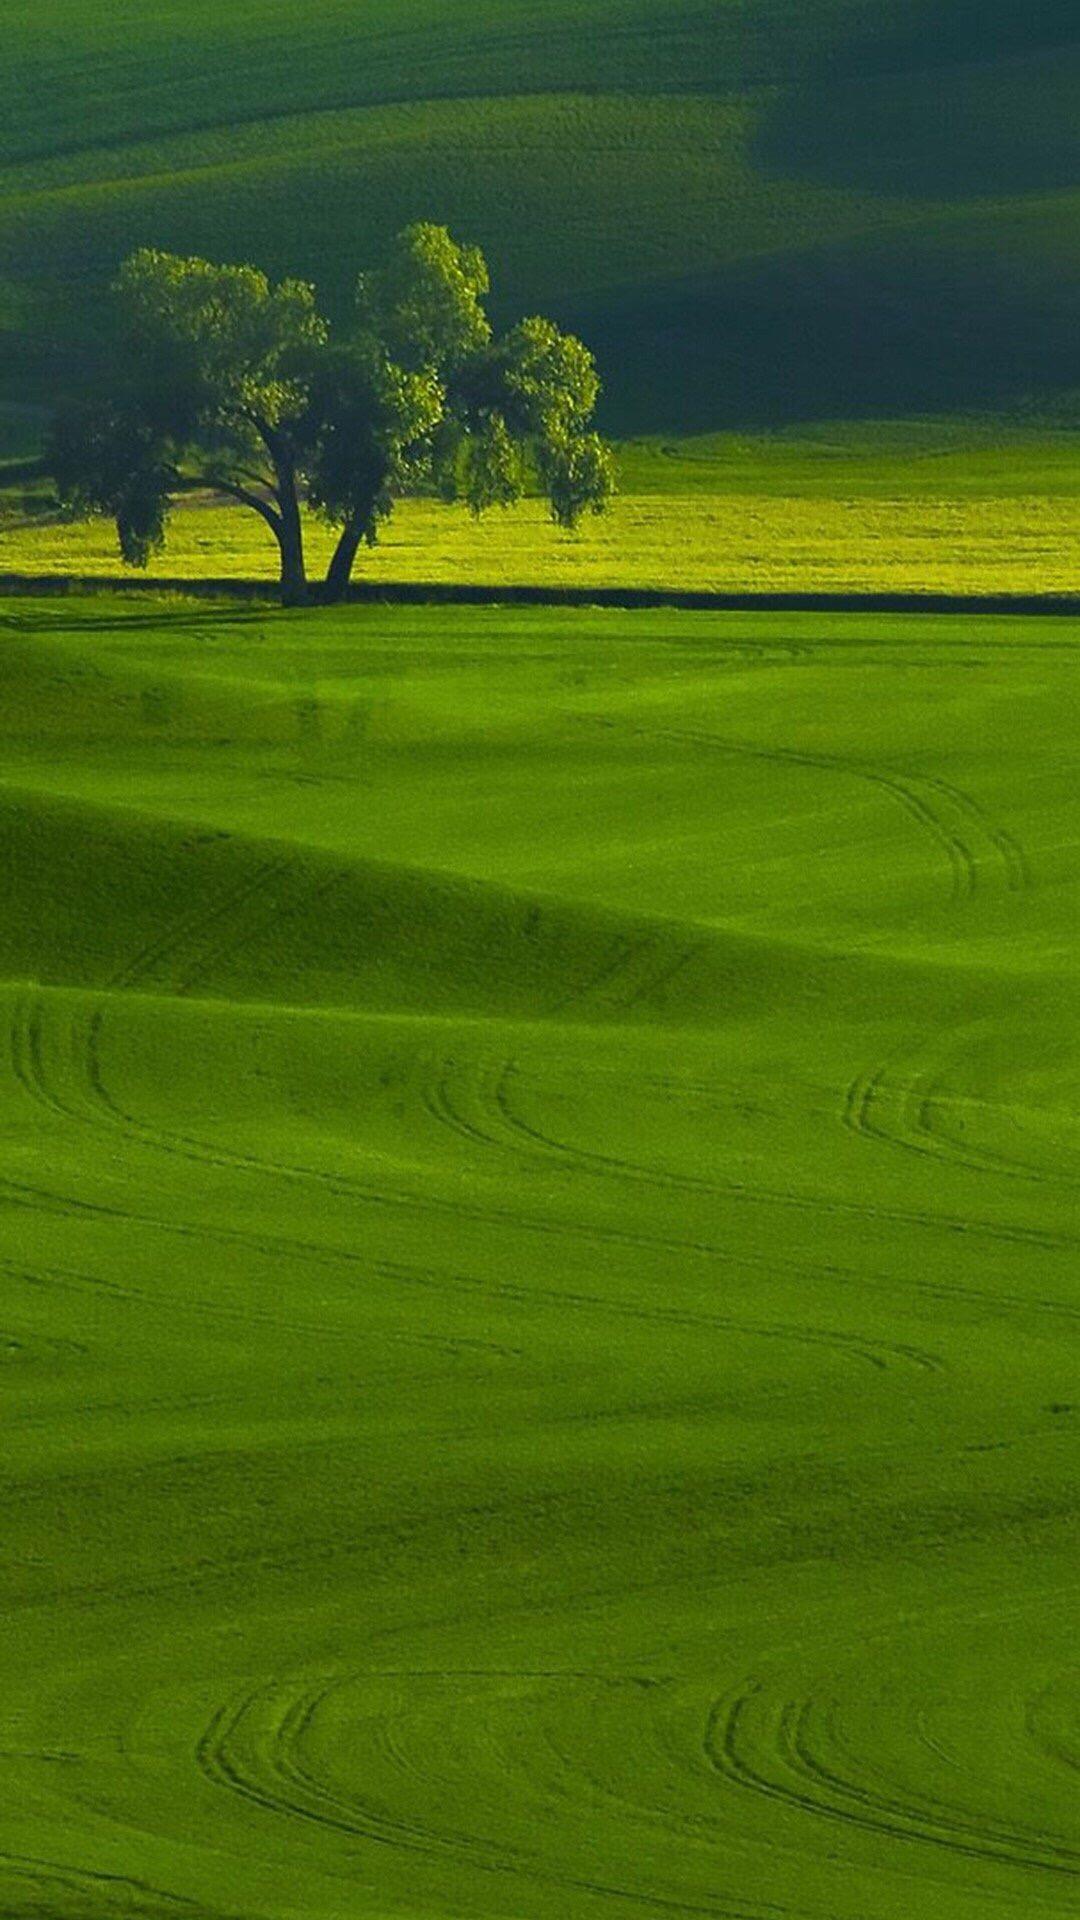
(758, 210)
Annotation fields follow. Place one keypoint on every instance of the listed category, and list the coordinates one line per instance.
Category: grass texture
(538, 1158)
(755, 209)
(738, 542)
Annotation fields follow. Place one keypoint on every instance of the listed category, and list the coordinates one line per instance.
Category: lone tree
(222, 381)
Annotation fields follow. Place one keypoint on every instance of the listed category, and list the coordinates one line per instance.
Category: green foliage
(426, 306)
(227, 381)
(493, 467)
(579, 475)
(551, 388)
(551, 380)
(212, 382)
(110, 459)
(373, 426)
(218, 347)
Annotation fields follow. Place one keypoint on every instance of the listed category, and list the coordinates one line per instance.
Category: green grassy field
(860, 542)
(927, 505)
(756, 209)
(539, 1150)
(539, 1164)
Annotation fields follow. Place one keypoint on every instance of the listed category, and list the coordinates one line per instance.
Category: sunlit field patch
(732, 543)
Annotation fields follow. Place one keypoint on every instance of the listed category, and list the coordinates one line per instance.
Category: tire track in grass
(48, 1887)
(184, 1305)
(904, 1108)
(586, 1158)
(307, 896)
(337, 1258)
(932, 1104)
(439, 1102)
(1052, 1725)
(1009, 1304)
(18, 1347)
(27, 1194)
(770, 1746)
(945, 813)
(71, 1280)
(25, 1051)
(179, 934)
(866, 1090)
(254, 1747)
(29, 1049)
(634, 969)
(814, 1749)
(1010, 850)
(192, 1147)
(877, 1354)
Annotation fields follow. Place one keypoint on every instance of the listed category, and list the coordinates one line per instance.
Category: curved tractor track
(539, 1267)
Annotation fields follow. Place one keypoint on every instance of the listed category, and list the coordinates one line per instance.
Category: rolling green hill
(757, 210)
(538, 1256)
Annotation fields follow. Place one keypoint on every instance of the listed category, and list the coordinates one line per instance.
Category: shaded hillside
(758, 210)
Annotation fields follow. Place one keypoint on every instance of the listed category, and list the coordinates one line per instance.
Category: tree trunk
(339, 572)
(294, 585)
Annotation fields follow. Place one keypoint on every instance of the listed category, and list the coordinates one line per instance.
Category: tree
(212, 389)
(223, 381)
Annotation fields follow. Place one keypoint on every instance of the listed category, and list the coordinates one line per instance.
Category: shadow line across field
(458, 594)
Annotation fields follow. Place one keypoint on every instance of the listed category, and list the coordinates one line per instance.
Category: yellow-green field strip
(726, 545)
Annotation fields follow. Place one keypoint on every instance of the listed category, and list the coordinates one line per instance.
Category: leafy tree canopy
(218, 344)
(425, 307)
(223, 380)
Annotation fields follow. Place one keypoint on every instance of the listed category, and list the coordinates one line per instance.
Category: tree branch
(248, 499)
(254, 479)
(271, 437)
